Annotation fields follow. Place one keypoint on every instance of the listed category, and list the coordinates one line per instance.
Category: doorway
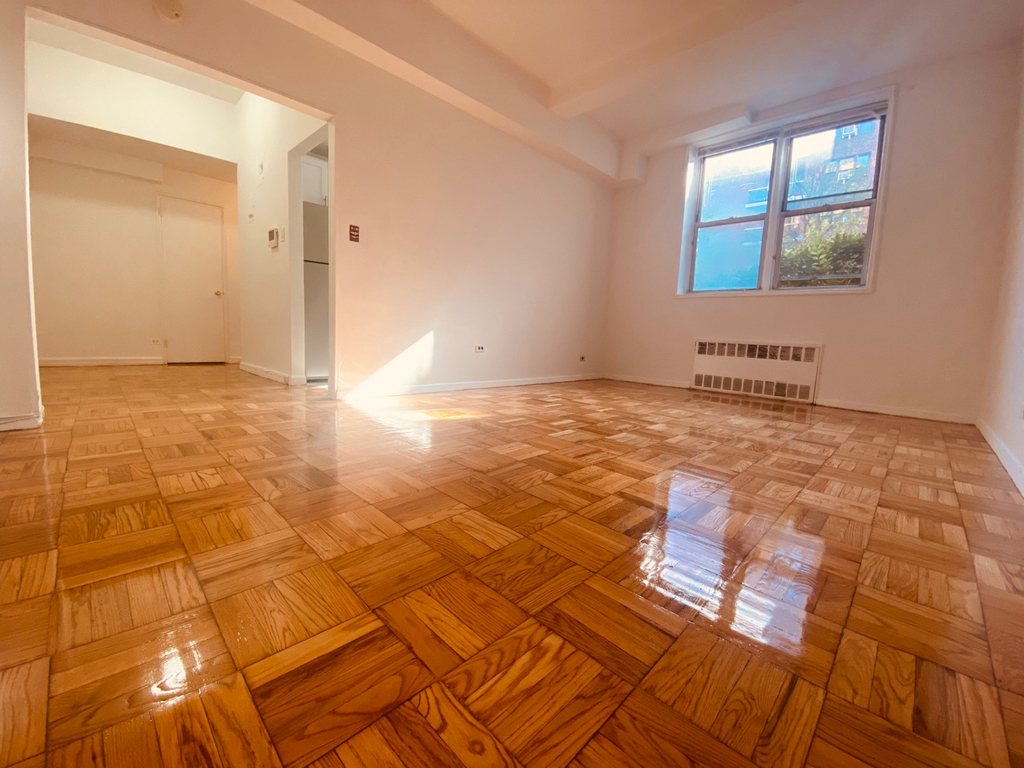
(316, 269)
(194, 283)
(192, 251)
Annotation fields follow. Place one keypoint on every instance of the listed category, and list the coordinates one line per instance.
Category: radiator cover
(779, 371)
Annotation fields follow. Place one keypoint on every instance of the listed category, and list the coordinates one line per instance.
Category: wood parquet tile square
(199, 567)
(588, 544)
(124, 675)
(529, 574)
(391, 568)
(23, 718)
(623, 631)
(451, 619)
(538, 694)
(317, 694)
(233, 568)
(268, 618)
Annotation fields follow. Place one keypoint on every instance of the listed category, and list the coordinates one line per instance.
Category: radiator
(782, 371)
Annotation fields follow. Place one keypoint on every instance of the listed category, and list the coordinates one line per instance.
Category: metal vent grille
(801, 354)
(753, 386)
(783, 371)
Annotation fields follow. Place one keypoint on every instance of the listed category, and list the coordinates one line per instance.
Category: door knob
(216, 293)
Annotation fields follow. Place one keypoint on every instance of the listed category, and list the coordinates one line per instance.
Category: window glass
(735, 183)
(833, 166)
(823, 249)
(728, 257)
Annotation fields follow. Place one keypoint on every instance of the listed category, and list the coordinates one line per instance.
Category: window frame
(783, 133)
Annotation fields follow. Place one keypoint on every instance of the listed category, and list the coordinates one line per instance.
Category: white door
(193, 259)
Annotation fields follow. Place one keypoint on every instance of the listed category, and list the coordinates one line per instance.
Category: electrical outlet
(583, 358)
(156, 342)
(479, 348)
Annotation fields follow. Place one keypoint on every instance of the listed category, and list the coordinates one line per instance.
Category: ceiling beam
(416, 43)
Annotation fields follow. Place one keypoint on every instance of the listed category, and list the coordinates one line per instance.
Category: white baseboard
(234, 359)
(269, 373)
(266, 373)
(1013, 463)
(454, 386)
(956, 418)
(914, 413)
(76, 361)
(644, 380)
(24, 421)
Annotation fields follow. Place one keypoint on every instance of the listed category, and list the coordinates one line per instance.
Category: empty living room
(512, 383)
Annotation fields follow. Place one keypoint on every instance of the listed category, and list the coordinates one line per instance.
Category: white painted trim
(234, 360)
(27, 421)
(914, 413)
(644, 380)
(76, 361)
(454, 386)
(845, 405)
(1014, 464)
(266, 373)
(296, 381)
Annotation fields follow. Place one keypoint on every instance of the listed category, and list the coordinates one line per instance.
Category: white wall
(466, 237)
(65, 86)
(1002, 418)
(267, 132)
(20, 404)
(97, 260)
(918, 344)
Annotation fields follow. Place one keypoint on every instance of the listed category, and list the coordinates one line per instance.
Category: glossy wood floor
(202, 568)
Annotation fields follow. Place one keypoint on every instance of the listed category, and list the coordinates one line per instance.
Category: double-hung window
(787, 210)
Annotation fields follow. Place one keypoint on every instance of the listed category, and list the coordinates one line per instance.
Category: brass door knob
(216, 293)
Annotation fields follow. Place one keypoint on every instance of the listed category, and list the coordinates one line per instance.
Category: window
(800, 201)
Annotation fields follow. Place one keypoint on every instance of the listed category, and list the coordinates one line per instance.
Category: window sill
(761, 292)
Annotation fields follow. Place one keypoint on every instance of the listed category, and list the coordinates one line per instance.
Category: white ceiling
(675, 59)
(560, 40)
(810, 48)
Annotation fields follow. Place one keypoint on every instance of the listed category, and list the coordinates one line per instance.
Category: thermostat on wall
(273, 238)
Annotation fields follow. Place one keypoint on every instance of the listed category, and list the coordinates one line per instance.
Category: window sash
(778, 211)
(762, 217)
(778, 282)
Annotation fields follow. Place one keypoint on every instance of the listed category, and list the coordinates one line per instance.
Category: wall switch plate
(479, 348)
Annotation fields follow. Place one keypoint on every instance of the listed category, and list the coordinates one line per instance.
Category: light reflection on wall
(401, 374)
(375, 396)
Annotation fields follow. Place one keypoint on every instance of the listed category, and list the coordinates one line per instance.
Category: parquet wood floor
(199, 567)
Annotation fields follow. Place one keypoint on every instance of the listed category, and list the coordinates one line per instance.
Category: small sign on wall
(353, 233)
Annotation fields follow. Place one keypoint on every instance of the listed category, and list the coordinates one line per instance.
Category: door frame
(296, 266)
(226, 319)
